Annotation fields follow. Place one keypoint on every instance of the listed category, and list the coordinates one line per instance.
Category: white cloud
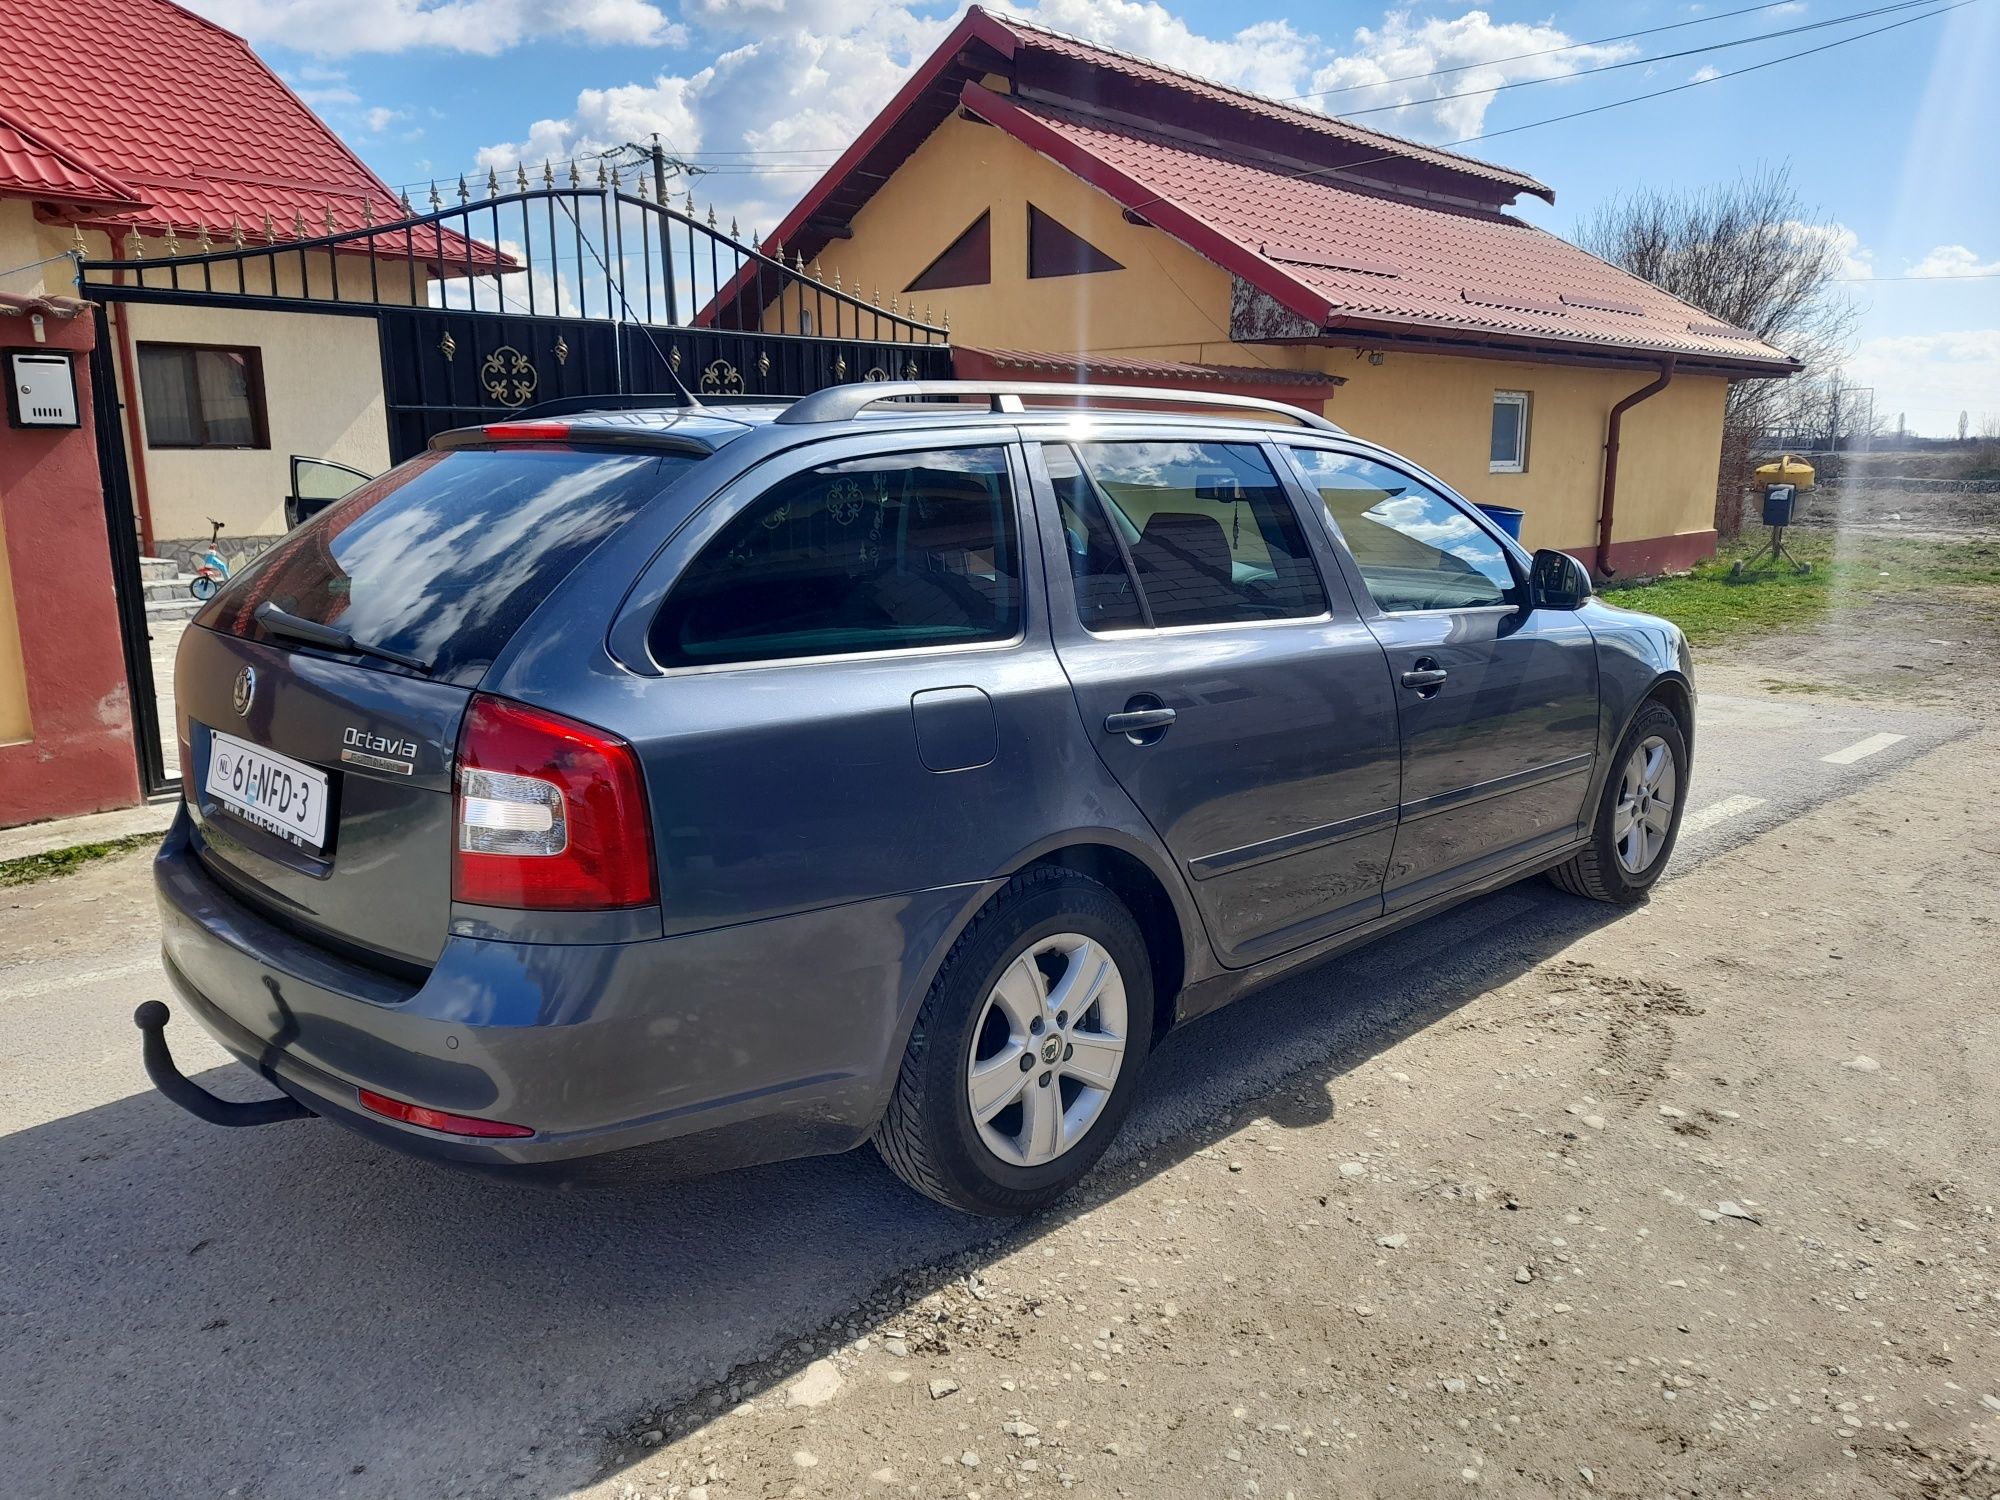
(380, 118)
(1403, 46)
(1856, 263)
(1954, 260)
(342, 27)
(325, 96)
(793, 81)
(1704, 73)
(1932, 377)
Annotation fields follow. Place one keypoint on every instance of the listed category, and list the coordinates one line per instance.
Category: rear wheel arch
(1145, 895)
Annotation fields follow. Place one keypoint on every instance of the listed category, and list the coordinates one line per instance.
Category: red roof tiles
(1371, 146)
(1119, 368)
(1380, 260)
(177, 110)
(29, 168)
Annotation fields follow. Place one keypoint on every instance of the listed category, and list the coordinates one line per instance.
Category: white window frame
(1519, 464)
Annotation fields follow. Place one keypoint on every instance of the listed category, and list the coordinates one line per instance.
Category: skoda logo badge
(246, 690)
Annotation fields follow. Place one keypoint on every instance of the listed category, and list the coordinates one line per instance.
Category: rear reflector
(551, 814)
(437, 1119)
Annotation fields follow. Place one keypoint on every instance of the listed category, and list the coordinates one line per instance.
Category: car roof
(686, 422)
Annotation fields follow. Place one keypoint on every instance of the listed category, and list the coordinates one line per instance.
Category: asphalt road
(290, 1312)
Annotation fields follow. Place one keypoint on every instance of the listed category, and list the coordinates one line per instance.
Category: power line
(1604, 41)
(1695, 83)
(1577, 114)
(1961, 276)
(1638, 62)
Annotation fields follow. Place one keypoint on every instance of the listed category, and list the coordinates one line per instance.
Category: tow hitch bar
(151, 1019)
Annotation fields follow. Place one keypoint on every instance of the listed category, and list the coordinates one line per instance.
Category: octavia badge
(245, 691)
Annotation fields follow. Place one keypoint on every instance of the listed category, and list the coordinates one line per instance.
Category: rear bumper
(746, 1043)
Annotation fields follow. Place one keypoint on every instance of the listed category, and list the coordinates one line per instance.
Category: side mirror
(1557, 581)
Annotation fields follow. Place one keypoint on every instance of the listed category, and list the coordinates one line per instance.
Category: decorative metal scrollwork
(508, 376)
(843, 502)
(448, 346)
(562, 350)
(722, 378)
(763, 362)
(909, 369)
(840, 367)
(876, 372)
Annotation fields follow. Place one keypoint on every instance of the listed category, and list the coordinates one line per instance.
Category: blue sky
(1892, 137)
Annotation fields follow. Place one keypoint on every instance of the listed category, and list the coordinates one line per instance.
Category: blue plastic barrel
(1506, 518)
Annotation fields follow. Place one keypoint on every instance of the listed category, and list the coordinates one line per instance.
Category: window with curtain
(202, 396)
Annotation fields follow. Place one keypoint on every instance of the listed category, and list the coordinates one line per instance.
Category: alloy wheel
(1647, 791)
(1047, 1049)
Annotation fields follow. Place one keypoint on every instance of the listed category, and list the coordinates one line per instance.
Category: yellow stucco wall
(14, 720)
(1170, 303)
(20, 243)
(1438, 410)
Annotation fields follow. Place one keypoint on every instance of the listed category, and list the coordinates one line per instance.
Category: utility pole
(666, 226)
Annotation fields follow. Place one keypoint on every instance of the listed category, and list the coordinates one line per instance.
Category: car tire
(1605, 869)
(970, 1021)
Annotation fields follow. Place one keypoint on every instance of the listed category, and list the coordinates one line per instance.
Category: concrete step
(183, 608)
(152, 568)
(162, 589)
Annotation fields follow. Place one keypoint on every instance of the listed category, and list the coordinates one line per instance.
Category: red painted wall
(81, 757)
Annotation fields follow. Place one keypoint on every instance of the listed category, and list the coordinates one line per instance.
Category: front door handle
(1426, 676)
(1138, 721)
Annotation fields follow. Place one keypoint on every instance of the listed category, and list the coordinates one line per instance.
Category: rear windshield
(443, 557)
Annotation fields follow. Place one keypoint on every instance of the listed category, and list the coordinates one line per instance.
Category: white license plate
(272, 791)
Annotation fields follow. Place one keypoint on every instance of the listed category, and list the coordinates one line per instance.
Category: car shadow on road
(320, 1315)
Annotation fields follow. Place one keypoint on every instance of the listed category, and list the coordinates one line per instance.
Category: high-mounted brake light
(551, 814)
(438, 1119)
(527, 432)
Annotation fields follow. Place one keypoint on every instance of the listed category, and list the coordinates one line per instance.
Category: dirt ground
(1702, 1205)
(1697, 1201)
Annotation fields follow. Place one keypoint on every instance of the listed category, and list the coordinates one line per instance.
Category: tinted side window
(912, 549)
(1416, 549)
(1208, 533)
(1106, 597)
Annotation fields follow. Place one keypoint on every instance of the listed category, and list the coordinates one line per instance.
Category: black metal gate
(495, 305)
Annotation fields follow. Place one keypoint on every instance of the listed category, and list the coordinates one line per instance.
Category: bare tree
(1748, 253)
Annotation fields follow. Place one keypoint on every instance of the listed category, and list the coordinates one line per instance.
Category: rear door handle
(1138, 721)
(1426, 676)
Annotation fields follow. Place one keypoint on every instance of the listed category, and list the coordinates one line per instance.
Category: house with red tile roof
(134, 129)
(1083, 214)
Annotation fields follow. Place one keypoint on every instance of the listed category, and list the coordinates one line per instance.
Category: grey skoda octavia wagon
(897, 764)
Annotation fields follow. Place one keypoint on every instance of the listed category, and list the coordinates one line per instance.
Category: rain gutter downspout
(1607, 503)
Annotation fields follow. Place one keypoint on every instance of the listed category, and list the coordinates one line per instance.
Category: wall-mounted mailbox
(41, 389)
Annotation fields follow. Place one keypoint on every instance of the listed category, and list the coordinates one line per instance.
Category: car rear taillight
(551, 814)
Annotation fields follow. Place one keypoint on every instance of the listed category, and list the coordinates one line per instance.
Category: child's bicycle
(213, 572)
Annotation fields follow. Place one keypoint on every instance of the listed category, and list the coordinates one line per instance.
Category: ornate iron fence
(541, 291)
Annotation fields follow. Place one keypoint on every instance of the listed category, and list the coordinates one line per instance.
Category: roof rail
(842, 403)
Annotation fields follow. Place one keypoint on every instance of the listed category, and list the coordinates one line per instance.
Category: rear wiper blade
(312, 633)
